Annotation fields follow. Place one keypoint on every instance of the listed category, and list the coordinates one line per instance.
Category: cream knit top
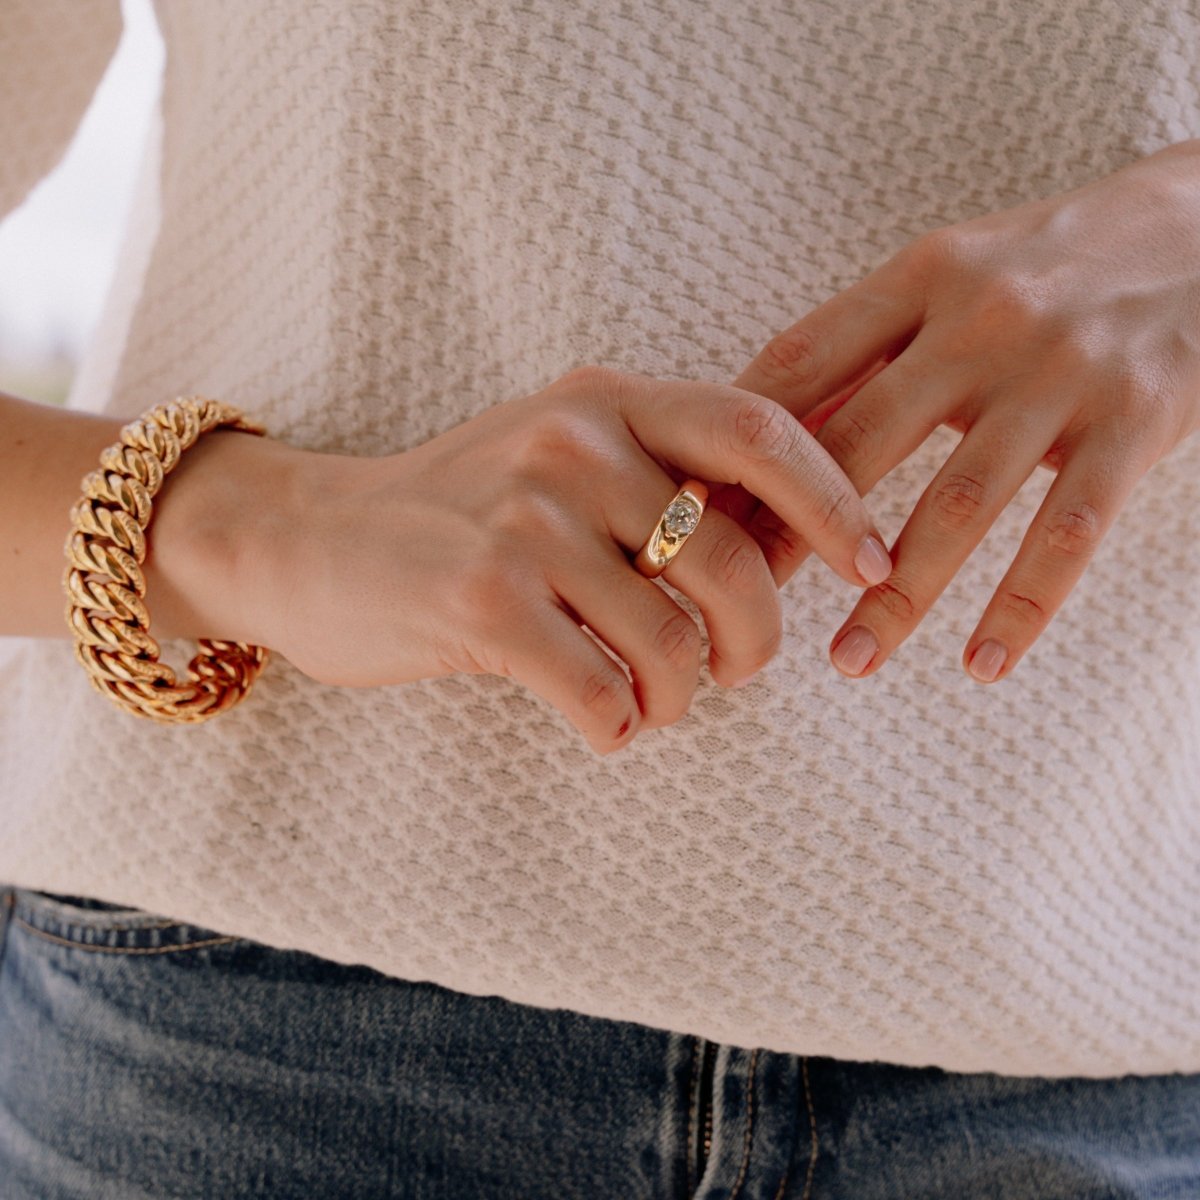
(364, 224)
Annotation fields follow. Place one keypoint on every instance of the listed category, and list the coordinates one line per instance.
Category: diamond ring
(676, 524)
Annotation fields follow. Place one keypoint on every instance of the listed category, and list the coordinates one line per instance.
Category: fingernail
(987, 661)
(855, 650)
(872, 561)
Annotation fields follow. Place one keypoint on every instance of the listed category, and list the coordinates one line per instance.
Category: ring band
(678, 521)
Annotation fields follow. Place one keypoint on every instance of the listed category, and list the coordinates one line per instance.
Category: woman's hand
(1063, 332)
(487, 548)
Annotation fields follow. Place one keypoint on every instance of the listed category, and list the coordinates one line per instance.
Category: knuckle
(530, 515)
(605, 694)
(896, 598)
(1146, 399)
(778, 538)
(1024, 609)
(734, 561)
(1081, 353)
(938, 249)
(791, 356)
(1009, 304)
(751, 662)
(1073, 531)
(560, 443)
(1139, 388)
(1077, 351)
(851, 435)
(1137, 417)
(555, 430)
(834, 505)
(763, 430)
(591, 377)
(678, 641)
(602, 386)
(957, 500)
(489, 597)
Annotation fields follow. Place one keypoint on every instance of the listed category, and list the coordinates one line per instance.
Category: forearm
(210, 542)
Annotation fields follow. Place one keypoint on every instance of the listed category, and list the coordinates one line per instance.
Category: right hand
(487, 548)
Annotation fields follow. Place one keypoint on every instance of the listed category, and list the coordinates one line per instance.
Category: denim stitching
(737, 1187)
(783, 1182)
(691, 1098)
(52, 937)
(812, 1125)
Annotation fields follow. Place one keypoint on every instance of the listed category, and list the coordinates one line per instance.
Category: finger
(558, 661)
(840, 340)
(893, 414)
(729, 435)
(740, 504)
(1075, 514)
(818, 415)
(955, 511)
(867, 436)
(657, 639)
(720, 567)
(733, 500)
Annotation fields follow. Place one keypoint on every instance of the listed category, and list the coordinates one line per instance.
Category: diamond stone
(681, 516)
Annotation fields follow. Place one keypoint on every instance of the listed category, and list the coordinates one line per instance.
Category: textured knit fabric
(371, 222)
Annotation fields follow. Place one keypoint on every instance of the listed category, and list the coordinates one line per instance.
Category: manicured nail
(987, 661)
(855, 650)
(872, 561)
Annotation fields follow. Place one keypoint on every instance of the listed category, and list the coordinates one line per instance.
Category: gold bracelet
(106, 587)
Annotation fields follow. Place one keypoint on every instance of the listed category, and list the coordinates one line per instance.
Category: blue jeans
(144, 1057)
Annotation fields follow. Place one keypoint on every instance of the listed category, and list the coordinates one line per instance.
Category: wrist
(217, 545)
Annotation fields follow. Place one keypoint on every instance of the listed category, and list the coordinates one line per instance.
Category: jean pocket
(106, 928)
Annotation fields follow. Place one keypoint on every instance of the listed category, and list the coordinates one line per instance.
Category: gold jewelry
(674, 527)
(105, 584)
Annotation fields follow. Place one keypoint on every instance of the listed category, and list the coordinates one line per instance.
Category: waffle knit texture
(364, 224)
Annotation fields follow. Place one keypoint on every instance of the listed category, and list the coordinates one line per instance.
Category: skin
(1064, 332)
(483, 550)
(486, 548)
(213, 527)
(1037, 332)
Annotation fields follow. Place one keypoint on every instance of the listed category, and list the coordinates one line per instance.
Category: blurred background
(58, 250)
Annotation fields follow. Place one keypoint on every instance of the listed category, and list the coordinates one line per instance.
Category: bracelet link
(104, 583)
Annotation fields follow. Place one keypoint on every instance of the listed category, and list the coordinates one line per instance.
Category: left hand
(1063, 332)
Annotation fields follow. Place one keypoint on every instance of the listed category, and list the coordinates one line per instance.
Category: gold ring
(679, 519)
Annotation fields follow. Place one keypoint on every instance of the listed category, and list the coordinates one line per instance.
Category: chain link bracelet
(106, 587)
